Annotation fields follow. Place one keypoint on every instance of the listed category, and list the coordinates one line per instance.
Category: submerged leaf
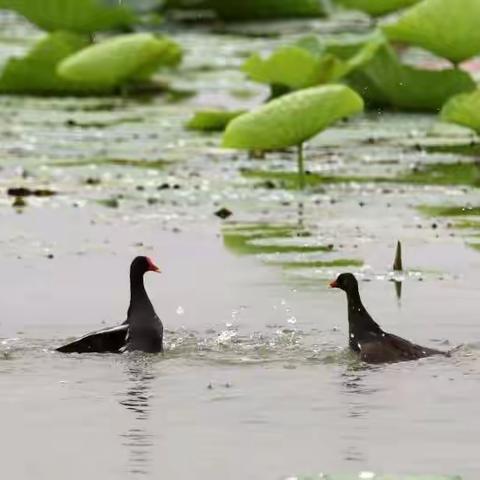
(463, 109)
(212, 120)
(445, 27)
(292, 119)
(383, 80)
(377, 7)
(81, 16)
(36, 72)
(120, 59)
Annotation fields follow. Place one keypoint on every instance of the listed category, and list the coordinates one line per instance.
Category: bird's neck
(359, 320)
(138, 294)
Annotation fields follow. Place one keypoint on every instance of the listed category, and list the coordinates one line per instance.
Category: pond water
(256, 381)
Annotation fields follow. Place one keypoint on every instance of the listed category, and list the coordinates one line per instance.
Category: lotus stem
(301, 169)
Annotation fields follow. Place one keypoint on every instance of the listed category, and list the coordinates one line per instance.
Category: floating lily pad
(81, 16)
(377, 7)
(212, 120)
(449, 29)
(36, 72)
(292, 119)
(384, 81)
(464, 110)
(120, 60)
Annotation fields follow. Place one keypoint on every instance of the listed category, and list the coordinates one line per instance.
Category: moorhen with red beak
(142, 330)
(367, 338)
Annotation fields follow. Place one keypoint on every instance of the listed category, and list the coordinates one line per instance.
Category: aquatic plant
(80, 16)
(304, 64)
(377, 7)
(255, 9)
(36, 72)
(448, 29)
(120, 60)
(384, 81)
(212, 120)
(464, 110)
(291, 120)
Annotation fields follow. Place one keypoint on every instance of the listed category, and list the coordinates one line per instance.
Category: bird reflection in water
(138, 441)
(357, 396)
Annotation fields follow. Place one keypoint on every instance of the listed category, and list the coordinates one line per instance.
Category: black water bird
(142, 330)
(367, 338)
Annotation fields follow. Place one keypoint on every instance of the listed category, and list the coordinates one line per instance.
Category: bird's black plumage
(142, 330)
(367, 338)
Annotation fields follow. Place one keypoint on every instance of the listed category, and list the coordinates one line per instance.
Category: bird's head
(346, 282)
(141, 265)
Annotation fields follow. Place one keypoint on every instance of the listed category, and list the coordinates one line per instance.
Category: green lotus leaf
(377, 7)
(265, 9)
(304, 64)
(464, 110)
(449, 29)
(293, 67)
(81, 16)
(212, 120)
(36, 72)
(383, 80)
(119, 60)
(292, 119)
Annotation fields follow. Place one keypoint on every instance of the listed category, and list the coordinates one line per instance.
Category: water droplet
(292, 320)
(366, 475)
(180, 310)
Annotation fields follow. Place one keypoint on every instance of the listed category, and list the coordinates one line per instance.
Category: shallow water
(255, 381)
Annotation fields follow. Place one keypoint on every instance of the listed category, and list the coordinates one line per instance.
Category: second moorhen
(142, 330)
(367, 338)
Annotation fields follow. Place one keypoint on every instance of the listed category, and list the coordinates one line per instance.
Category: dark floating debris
(223, 213)
(27, 192)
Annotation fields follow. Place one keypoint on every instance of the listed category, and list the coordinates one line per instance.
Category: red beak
(333, 284)
(152, 267)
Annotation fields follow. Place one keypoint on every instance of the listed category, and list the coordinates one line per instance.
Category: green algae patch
(339, 262)
(467, 225)
(450, 211)
(120, 162)
(444, 174)
(245, 245)
(261, 238)
(471, 149)
(290, 180)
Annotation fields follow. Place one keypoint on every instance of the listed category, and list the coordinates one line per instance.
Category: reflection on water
(137, 440)
(357, 400)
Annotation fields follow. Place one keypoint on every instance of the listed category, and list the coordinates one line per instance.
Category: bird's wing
(101, 341)
(391, 348)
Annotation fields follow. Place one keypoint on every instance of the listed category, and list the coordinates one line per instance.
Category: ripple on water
(289, 347)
